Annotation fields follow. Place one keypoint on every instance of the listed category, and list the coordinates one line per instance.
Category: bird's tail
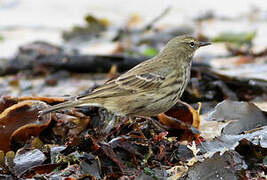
(61, 106)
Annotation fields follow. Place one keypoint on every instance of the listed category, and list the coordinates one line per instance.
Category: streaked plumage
(148, 89)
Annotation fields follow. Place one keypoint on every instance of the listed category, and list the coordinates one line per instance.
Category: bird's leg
(133, 122)
(155, 123)
(117, 127)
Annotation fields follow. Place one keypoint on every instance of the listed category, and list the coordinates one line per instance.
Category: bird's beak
(204, 44)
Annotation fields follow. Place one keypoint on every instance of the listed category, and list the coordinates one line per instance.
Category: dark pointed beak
(204, 44)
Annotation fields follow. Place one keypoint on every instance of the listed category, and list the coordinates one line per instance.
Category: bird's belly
(143, 104)
(155, 108)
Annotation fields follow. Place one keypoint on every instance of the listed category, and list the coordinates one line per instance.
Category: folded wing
(125, 85)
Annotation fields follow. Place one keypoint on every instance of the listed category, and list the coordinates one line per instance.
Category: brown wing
(124, 85)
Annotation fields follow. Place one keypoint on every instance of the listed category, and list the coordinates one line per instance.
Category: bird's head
(183, 46)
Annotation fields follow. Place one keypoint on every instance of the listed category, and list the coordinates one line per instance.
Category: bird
(148, 89)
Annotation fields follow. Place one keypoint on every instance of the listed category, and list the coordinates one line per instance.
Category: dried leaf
(20, 121)
(246, 116)
(39, 169)
(182, 116)
(108, 150)
(25, 160)
(217, 167)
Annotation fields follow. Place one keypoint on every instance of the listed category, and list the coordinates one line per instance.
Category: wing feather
(124, 85)
(142, 82)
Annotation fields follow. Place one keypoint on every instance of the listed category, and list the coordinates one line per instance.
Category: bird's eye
(192, 44)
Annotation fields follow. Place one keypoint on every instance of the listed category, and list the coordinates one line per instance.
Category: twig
(160, 16)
